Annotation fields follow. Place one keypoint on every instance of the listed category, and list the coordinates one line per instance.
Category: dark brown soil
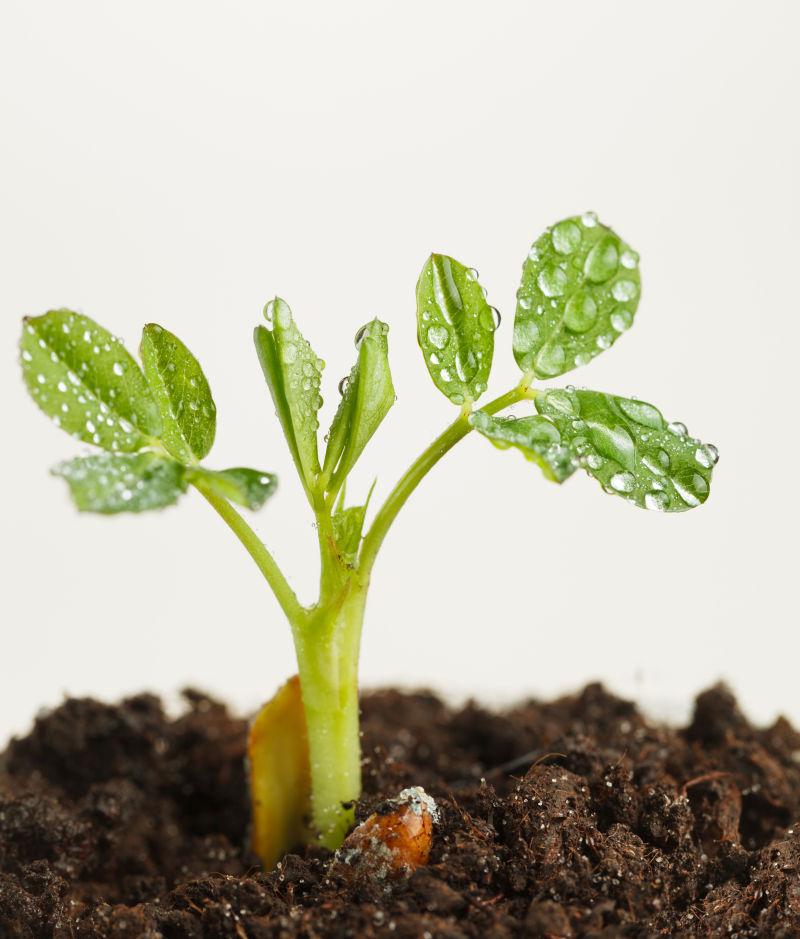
(119, 822)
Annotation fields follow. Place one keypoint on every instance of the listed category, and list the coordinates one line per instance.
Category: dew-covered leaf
(367, 395)
(249, 488)
(536, 437)
(455, 328)
(188, 412)
(579, 292)
(293, 374)
(84, 379)
(123, 482)
(630, 449)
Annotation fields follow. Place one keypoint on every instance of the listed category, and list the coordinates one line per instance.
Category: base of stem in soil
(571, 818)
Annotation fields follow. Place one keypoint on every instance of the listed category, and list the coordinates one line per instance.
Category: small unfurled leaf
(280, 776)
(348, 526)
(538, 439)
(630, 449)
(367, 395)
(188, 412)
(85, 380)
(122, 482)
(579, 292)
(293, 374)
(249, 488)
(455, 328)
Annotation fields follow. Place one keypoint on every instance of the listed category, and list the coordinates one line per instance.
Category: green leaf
(536, 437)
(188, 412)
(247, 487)
(367, 395)
(455, 328)
(348, 525)
(293, 374)
(123, 482)
(84, 379)
(630, 449)
(579, 292)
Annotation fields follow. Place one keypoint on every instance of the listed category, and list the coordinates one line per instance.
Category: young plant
(155, 424)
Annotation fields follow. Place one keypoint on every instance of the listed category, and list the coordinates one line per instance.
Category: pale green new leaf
(630, 449)
(249, 488)
(536, 437)
(348, 526)
(188, 412)
(123, 482)
(455, 328)
(84, 379)
(367, 395)
(579, 292)
(293, 373)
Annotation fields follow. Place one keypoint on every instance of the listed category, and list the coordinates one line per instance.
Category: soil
(565, 819)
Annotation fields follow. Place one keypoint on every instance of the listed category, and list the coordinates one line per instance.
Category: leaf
(579, 292)
(122, 482)
(630, 449)
(536, 437)
(348, 525)
(455, 328)
(84, 379)
(188, 412)
(367, 395)
(280, 776)
(293, 374)
(246, 487)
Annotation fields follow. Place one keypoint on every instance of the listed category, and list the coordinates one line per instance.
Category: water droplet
(26, 356)
(624, 290)
(550, 360)
(566, 237)
(87, 336)
(343, 384)
(73, 378)
(524, 303)
(533, 255)
(526, 335)
(445, 375)
(581, 312)
(434, 359)
(90, 427)
(552, 281)
(560, 404)
(623, 482)
(685, 492)
(62, 386)
(594, 461)
(589, 219)
(714, 453)
(194, 406)
(117, 368)
(466, 365)
(457, 398)
(473, 271)
(656, 501)
(677, 428)
(360, 335)
(629, 259)
(641, 412)
(603, 342)
(621, 319)
(438, 336)
(614, 443)
(40, 378)
(602, 260)
(289, 353)
(705, 457)
(582, 358)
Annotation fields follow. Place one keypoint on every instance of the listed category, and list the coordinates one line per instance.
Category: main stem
(327, 636)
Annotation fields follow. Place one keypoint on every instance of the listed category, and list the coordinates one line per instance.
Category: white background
(182, 162)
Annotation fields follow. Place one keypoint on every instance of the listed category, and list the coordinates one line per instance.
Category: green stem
(421, 467)
(258, 552)
(327, 657)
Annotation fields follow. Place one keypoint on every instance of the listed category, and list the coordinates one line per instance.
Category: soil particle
(575, 818)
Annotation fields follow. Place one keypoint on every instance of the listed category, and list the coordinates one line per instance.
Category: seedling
(155, 424)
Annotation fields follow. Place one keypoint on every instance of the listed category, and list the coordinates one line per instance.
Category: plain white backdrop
(183, 162)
